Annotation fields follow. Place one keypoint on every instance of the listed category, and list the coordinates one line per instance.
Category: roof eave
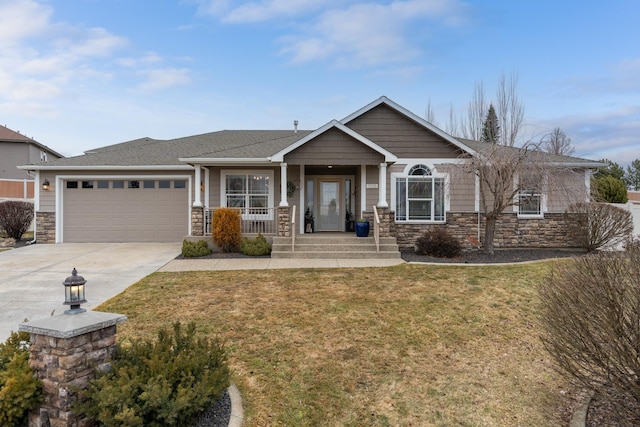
(226, 161)
(389, 157)
(105, 167)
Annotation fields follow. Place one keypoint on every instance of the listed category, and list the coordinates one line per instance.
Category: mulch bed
(500, 256)
(607, 412)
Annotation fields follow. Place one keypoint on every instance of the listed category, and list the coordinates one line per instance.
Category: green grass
(406, 345)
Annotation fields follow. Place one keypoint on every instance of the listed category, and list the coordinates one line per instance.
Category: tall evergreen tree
(632, 175)
(491, 127)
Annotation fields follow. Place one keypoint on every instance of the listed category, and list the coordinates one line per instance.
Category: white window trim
(543, 201)
(267, 172)
(434, 174)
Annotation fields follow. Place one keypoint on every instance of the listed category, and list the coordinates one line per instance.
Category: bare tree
(476, 114)
(507, 176)
(453, 125)
(429, 114)
(510, 110)
(557, 142)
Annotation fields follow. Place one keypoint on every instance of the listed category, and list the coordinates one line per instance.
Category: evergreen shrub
(20, 390)
(166, 382)
(439, 243)
(227, 233)
(195, 249)
(256, 247)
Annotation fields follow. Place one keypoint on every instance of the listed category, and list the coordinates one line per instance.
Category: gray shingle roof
(480, 146)
(227, 144)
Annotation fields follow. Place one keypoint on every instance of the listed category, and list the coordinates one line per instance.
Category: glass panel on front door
(329, 206)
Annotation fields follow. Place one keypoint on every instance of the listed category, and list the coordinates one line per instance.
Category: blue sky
(80, 74)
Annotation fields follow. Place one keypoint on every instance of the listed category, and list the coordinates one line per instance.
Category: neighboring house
(381, 155)
(17, 149)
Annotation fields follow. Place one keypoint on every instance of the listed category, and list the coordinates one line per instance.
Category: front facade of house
(293, 181)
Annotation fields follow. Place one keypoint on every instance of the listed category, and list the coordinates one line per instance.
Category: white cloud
(41, 59)
(260, 11)
(164, 78)
(21, 19)
(350, 33)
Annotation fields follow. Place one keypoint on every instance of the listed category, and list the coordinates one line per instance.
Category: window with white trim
(251, 192)
(420, 196)
(530, 197)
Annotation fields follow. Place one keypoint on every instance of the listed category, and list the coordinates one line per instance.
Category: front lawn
(405, 346)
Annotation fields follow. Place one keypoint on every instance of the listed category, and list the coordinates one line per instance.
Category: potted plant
(308, 221)
(362, 227)
(349, 222)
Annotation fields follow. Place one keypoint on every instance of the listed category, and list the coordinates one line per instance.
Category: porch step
(342, 246)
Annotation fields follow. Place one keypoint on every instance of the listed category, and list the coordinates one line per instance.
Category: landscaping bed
(499, 257)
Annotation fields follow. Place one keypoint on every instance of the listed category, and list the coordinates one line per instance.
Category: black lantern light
(74, 293)
(45, 184)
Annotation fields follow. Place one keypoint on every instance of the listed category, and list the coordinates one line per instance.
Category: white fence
(634, 208)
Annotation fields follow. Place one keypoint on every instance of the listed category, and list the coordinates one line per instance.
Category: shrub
(439, 243)
(167, 382)
(594, 226)
(20, 390)
(256, 247)
(591, 321)
(195, 249)
(15, 217)
(609, 189)
(226, 229)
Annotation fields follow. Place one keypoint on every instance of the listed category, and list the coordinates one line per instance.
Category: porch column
(283, 185)
(207, 202)
(382, 186)
(303, 195)
(197, 202)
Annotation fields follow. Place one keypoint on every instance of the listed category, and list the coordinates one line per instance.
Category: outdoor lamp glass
(74, 293)
(45, 185)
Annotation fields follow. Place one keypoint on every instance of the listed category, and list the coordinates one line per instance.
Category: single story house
(381, 157)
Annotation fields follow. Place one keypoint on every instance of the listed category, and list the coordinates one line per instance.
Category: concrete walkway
(31, 277)
(268, 263)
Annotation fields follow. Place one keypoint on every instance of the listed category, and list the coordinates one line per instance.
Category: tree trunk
(489, 231)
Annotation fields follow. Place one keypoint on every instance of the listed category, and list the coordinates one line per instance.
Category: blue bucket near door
(362, 228)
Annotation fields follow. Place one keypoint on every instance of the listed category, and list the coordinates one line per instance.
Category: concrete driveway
(31, 277)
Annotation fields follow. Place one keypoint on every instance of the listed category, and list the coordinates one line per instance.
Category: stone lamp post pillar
(65, 351)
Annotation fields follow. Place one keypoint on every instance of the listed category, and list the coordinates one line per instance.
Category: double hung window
(530, 197)
(250, 192)
(420, 196)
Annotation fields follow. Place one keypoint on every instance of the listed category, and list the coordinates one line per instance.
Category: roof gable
(334, 124)
(383, 100)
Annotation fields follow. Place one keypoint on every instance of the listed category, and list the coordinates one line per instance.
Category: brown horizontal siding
(401, 135)
(333, 147)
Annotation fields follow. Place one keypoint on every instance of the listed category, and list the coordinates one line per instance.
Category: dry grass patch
(405, 346)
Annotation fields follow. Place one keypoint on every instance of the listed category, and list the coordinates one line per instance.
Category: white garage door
(125, 210)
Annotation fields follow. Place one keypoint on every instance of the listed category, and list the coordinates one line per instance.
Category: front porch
(279, 226)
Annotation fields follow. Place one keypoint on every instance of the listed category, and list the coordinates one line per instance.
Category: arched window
(420, 170)
(420, 196)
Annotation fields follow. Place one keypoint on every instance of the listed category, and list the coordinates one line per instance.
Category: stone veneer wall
(284, 216)
(511, 232)
(46, 227)
(64, 364)
(197, 221)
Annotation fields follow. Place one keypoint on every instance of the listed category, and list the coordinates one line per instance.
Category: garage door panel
(125, 214)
